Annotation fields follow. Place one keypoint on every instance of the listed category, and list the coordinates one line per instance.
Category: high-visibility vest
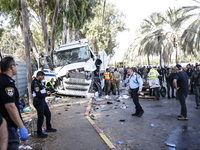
(50, 84)
(111, 80)
(152, 75)
(106, 75)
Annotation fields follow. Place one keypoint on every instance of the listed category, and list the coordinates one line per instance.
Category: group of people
(112, 81)
(179, 80)
(10, 117)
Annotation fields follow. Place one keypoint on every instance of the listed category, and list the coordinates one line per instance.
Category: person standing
(145, 73)
(116, 81)
(181, 84)
(39, 94)
(50, 85)
(136, 84)
(169, 79)
(196, 79)
(189, 73)
(107, 82)
(3, 134)
(9, 104)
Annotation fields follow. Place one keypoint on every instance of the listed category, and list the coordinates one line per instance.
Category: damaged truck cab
(76, 71)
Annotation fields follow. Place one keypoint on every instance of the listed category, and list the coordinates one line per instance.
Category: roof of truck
(72, 45)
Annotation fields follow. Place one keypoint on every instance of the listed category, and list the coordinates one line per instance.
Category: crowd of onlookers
(168, 73)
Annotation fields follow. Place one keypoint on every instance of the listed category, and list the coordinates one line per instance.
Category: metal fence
(21, 78)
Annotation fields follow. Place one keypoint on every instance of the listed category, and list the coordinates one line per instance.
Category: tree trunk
(148, 60)
(65, 35)
(44, 25)
(53, 30)
(31, 40)
(77, 34)
(176, 55)
(161, 58)
(27, 49)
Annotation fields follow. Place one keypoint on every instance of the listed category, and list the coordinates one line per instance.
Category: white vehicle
(76, 69)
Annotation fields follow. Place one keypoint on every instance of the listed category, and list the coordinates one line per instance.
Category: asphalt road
(158, 125)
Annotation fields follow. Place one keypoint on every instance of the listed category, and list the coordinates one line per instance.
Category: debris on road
(152, 125)
(120, 142)
(27, 109)
(169, 144)
(25, 147)
(122, 120)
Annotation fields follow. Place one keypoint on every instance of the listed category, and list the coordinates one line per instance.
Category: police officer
(9, 104)
(3, 134)
(39, 94)
(116, 81)
(136, 84)
(107, 82)
(181, 84)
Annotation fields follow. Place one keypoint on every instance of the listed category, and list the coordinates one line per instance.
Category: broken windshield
(72, 55)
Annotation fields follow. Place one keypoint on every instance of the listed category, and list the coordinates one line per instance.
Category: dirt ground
(158, 125)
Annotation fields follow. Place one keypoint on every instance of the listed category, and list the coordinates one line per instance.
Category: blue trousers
(42, 110)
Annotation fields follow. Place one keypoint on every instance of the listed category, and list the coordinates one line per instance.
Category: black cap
(179, 67)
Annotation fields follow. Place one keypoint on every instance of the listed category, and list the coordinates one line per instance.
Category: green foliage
(105, 32)
(10, 41)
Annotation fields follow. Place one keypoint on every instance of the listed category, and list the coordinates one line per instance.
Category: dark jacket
(169, 77)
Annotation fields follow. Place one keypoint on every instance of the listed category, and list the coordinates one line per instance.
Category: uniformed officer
(9, 103)
(107, 82)
(116, 81)
(3, 134)
(39, 94)
(136, 84)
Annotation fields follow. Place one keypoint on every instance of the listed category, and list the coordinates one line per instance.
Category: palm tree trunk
(176, 55)
(148, 60)
(161, 58)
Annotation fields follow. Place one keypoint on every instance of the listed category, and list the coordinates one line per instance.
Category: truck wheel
(163, 91)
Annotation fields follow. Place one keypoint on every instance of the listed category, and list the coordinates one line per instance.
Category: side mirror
(49, 62)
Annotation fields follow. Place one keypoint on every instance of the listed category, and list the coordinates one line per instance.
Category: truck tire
(163, 91)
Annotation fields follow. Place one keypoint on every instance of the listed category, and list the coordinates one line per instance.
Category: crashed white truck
(77, 70)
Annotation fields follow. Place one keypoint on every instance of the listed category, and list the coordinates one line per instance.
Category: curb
(101, 134)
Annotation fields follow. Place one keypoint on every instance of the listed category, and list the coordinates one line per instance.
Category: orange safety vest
(111, 80)
(106, 75)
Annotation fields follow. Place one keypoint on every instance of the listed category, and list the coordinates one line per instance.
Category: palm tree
(190, 39)
(152, 28)
(171, 32)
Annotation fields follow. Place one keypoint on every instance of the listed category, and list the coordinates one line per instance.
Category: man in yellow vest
(50, 86)
(111, 81)
(107, 82)
(153, 75)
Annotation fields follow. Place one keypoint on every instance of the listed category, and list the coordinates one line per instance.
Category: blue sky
(136, 11)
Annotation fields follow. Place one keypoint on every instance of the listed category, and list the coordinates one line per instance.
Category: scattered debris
(107, 115)
(152, 125)
(109, 103)
(121, 123)
(124, 106)
(27, 109)
(122, 120)
(120, 142)
(25, 147)
(59, 113)
(168, 114)
(29, 120)
(169, 144)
